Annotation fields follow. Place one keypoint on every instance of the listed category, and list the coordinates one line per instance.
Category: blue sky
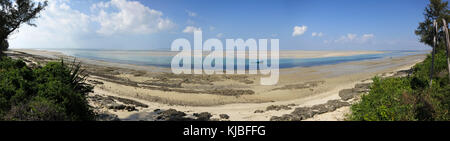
(298, 24)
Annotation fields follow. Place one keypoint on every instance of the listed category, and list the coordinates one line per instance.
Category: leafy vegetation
(407, 98)
(54, 92)
(412, 98)
(15, 13)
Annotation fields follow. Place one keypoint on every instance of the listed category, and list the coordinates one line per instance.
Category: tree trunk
(433, 53)
(445, 28)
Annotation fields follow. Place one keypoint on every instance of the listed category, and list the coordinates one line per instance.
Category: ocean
(164, 58)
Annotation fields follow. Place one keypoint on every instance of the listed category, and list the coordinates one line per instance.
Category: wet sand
(238, 96)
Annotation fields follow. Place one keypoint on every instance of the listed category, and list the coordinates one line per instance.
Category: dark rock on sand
(347, 94)
(204, 116)
(337, 104)
(107, 117)
(130, 108)
(110, 103)
(259, 111)
(224, 116)
(278, 107)
(95, 82)
(172, 115)
(129, 101)
(116, 106)
(285, 117)
(302, 113)
(403, 73)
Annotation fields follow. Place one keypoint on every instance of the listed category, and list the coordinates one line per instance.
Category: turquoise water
(141, 58)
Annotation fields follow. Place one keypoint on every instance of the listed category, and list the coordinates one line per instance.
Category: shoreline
(300, 54)
(298, 87)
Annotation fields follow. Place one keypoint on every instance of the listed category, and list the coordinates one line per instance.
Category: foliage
(12, 15)
(436, 10)
(408, 98)
(387, 98)
(54, 92)
(413, 98)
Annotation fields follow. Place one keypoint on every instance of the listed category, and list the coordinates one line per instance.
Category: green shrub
(408, 98)
(54, 92)
(387, 100)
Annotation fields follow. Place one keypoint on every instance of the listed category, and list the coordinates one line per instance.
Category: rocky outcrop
(107, 117)
(129, 102)
(259, 111)
(172, 115)
(224, 116)
(204, 116)
(278, 107)
(347, 94)
(112, 102)
(302, 113)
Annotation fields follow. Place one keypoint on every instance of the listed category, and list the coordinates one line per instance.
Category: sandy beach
(241, 97)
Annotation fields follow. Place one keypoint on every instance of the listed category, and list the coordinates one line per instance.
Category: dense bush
(54, 92)
(408, 98)
(387, 98)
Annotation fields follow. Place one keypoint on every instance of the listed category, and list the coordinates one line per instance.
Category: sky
(154, 24)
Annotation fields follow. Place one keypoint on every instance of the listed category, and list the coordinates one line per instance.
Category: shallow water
(164, 58)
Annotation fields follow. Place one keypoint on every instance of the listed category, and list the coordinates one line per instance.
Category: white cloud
(191, 29)
(299, 30)
(131, 17)
(191, 14)
(219, 35)
(314, 34)
(57, 26)
(367, 37)
(60, 25)
(353, 38)
(347, 38)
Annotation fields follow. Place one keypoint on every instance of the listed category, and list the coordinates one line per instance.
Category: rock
(214, 119)
(363, 85)
(322, 108)
(130, 108)
(291, 104)
(278, 107)
(95, 82)
(224, 116)
(285, 117)
(403, 73)
(107, 117)
(259, 111)
(129, 101)
(337, 104)
(204, 116)
(302, 113)
(346, 94)
(116, 106)
(360, 88)
(172, 115)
